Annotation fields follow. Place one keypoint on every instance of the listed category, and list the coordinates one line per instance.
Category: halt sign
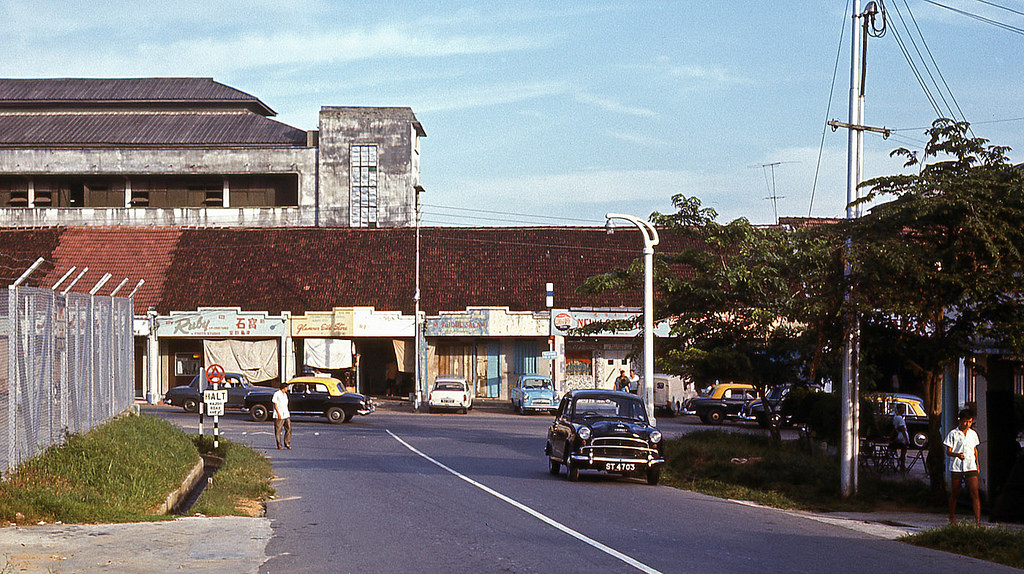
(215, 402)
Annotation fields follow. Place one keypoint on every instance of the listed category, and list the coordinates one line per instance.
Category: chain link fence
(67, 364)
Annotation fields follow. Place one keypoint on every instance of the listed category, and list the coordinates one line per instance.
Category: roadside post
(213, 400)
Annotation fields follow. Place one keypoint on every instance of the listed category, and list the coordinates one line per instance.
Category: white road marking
(583, 538)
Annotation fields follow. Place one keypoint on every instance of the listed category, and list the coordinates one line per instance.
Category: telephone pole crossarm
(886, 132)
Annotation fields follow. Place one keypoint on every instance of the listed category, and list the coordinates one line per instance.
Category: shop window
(187, 364)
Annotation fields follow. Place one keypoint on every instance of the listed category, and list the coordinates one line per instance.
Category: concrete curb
(187, 485)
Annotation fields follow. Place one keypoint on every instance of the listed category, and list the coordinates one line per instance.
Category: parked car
(450, 392)
(606, 431)
(755, 409)
(189, 396)
(915, 417)
(670, 393)
(321, 396)
(532, 393)
(724, 400)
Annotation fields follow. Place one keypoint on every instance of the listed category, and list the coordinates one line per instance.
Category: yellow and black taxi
(604, 430)
(724, 400)
(320, 396)
(888, 404)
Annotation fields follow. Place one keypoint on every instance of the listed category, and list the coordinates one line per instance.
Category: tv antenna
(770, 183)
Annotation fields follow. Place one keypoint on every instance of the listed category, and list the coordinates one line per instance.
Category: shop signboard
(336, 323)
(568, 321)
(219, 322)
(487, 322)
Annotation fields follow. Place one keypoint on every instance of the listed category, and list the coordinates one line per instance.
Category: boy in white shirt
(962, 449)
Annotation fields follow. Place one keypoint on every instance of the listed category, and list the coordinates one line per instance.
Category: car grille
(619, 448)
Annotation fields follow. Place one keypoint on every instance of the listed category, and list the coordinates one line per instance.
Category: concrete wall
(394, 131)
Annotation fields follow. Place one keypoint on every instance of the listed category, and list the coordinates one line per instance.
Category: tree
(741, 302)
(936, 269)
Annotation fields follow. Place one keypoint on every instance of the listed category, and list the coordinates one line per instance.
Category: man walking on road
(282, 418)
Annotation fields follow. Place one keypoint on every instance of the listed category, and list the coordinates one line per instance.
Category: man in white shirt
(962, 449)
(282, 418)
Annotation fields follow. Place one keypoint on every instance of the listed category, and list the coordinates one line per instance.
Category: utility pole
(850, 431)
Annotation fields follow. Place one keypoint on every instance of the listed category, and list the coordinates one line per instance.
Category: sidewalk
(238, 545)
(205, 545)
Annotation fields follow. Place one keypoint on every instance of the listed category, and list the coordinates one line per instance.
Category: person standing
(634, 381)
(962, 450)
(901, 437)
(622, 382)
(282, 418)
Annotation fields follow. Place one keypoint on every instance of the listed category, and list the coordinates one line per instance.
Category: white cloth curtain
(257, 360)
(328, 353)
(405, 355)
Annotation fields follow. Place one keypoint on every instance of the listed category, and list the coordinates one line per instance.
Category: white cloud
(615, 107)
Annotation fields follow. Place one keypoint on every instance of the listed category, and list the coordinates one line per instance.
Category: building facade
(194, 152)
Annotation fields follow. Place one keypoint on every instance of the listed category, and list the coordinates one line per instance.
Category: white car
(450, 392)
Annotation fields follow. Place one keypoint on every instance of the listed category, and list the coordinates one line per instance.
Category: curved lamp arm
(648, 231)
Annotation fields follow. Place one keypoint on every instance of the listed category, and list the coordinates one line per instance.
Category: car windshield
(537, 384)
(449, 386)
(626, 408)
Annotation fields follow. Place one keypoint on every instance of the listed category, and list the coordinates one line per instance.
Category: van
(670, 392)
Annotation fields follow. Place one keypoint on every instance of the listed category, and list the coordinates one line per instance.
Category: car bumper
(367, 408)
(601, 462)
(605, 451)
(537, 407)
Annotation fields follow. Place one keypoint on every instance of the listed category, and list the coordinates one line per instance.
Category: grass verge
(119, 471)
(122, 471)
(1000, 545)
(748, 467)
(241, 485)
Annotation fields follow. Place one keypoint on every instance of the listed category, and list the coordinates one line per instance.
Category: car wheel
(258, 413)
(653, 475)
(572, 471)
(715, 416)
(553, 466)
(762, 421)
(335, 415)
(190, 406)
(465, 410)
(921, 439)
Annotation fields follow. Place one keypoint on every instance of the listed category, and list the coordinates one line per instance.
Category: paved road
(404, 492)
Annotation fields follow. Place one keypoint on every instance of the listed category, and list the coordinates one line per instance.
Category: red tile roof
(316, 269)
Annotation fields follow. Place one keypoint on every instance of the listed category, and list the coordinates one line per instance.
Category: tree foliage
(936, 268)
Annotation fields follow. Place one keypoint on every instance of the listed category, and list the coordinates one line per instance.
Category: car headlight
(655, 436)
(526, 398)
(585, 433)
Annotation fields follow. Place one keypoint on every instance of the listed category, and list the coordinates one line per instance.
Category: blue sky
(556, 113)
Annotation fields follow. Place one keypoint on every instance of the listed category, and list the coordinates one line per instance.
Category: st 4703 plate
(619, 466)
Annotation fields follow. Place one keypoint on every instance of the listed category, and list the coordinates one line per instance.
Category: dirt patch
(251, 508)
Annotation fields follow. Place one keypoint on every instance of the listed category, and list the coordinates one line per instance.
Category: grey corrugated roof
(139, 92)
(145, 129)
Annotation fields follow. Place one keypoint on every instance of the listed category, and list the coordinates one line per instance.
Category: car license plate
(619, 466)
(447, 400)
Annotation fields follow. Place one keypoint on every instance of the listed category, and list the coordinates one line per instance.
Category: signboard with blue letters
(487, 322)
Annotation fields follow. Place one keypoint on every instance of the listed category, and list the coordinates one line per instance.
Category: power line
(980, 18)
(1001, 7)
(828, 111)
(506, 214)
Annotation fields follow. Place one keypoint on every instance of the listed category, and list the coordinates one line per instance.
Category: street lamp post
(650, 236)
(417, 397)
